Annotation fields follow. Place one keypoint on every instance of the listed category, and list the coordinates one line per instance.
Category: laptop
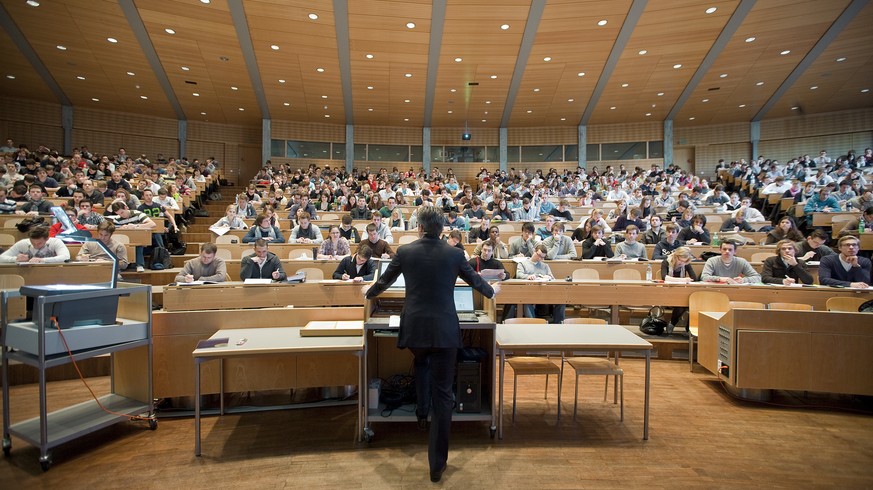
(399, 284)
(464, 304)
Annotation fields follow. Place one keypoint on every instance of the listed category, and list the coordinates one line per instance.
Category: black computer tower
(469, 387)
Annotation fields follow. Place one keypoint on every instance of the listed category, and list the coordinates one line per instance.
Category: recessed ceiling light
(536, 90)
(814, 87)
(323, 96)
(313, 16)
(750, 39)
(327, 115)
(458, 60)
(204, 1)
(195, 94)
(61, 47)
(286, 104)
(654, 105)
(624, 85)
(660, 94)
(723, 75)
(143, 97)
(759, 83)
(319, 70)
(783, 53)
(648, 113)
(487, 101)
(281, 80)
(202, 113)
(691, 118)
(369, 56)
(563, 118)
(80, 77)
(742, 105)
(547, 58)
(486, 113)
(32, 3)
(449, 112)
(571, 100)
(504, 27)
(865, 90)
(453, 90)
(234, 88)
(705, 100)
(185, 68)
(601, 22)
(840, 60)
(406, 100)
(169, 31)
(408, 75)
(711, 10)
(369, 87)
(406, 119)
(131, 73)
(112, 40)
(241, 108)
(580, 74)
(325, 107)
(223, 58)
(795, 108)
(410, 25)
(11, 77)
(370, 109)
(643, 51)
(95, 99)
(612, 108)
(493, 77)
(484, 120)
(677, 66)
(274, 47)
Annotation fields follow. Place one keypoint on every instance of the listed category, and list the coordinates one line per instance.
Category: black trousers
(434, 374)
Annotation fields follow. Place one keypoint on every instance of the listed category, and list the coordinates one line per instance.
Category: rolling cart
(89, 321)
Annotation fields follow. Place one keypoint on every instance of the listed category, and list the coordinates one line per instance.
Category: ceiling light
(795, 108)
(195, 94)
(452, 90)
(601, 22)
(185, 68)
(484, 120)
(112, 40)
(286, 104)
(281, 80)
(580, 74)
(80, 77)
(705, 100)
(169, 31)
(742, 105)
(202, 113)
(11, 77)
(529, 111)
(536, 90)
(840, 60)
(648, 113)
(370, 109)
(547, 58)
(571, 100)
(274, 47)
(458, 60)
(223, 58)
(410, 25)
(234, 88)
(643, 51)
(319, 70)
(313, 16)
(450, 112)
(814, 87)
(61, 47)
(759, 83)
(563, 118)
(612, 108)
(406, 119)
(691, 118)
(241, 109)
(711, 10)
(95, 99)
(723, 75)
(323, 96)
(32, 3)
(143, 97)
(750, 39)
(486, 113)
(504, 27)
(131, 73)
(865, 90)
(204, 1)
(785, 52)
(408, 75)
(653, 106)
(369, 56)
(624, 85)
(369, 87)
(677, 66)
(660, 94)
(327, 115)
(325, 107)
(487, 101)
(406, 100)
(493, 77)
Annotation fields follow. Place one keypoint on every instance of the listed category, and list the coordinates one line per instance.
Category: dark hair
(208, 248)
(528, 227)
(260, 242)
(38, 232)
(346, 219)
(106, 225)
(365, 251)
(818, 233)
(430, 218)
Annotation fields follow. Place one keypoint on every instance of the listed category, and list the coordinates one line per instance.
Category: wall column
(668, 142)
(67, 125)
(582, 151)
(755, 138)
(350, 147)
(183, 137)
(266, 140)
(502, 141)
(425, 149)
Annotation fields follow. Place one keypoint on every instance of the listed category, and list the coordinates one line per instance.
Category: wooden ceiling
(237, 62)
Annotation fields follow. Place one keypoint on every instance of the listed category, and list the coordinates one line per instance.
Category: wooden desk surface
(535, 336)
(232, 295)
(66, 273)
(826, 219)
(276, 340)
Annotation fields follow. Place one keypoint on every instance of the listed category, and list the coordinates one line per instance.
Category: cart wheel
(7, 446)
(368, 435)
(45, 461)
(492, 432)
(153, 424)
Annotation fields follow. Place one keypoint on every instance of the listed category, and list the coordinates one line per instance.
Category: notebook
(464, 304)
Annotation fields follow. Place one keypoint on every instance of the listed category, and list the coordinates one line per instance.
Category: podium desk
(60, 273)
(228, 295)
(254, 342)
(559, 337)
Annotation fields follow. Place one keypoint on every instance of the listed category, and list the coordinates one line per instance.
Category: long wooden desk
(229, 295)
(544, 338)
(65, 273)
(258, 342)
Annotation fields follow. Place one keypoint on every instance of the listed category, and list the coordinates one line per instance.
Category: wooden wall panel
(292, 130)
(835, 144)
(31, 122)
(715, 134)
(388, 135)
(452, 136)
(555, 135)
(618, 133)
(818, 124)
(706, 156)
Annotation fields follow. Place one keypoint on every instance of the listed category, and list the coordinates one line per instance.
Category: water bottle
(612, 239)
(649, 272)
(715, 241)
(861, 226)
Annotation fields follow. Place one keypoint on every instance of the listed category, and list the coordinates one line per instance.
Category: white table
(274, 340)
(527, 337)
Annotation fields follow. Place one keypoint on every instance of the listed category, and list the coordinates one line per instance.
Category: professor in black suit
(429, 323)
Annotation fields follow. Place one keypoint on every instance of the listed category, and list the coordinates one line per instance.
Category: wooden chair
(6, 240)
(227, 239)
(748, 305)
(593, 366)
(245, 253)
(362, 228)
(312, 273)
(697, 302)
(407, 239)
(585, 274)
(790, 306)
(760, 256)
(506, 227)
(845, 303)
(328, 217)
(532, 365)
(628, 274)
(299, 253)
(585, 321)
(223, 254)
(17, 306)
(123, 239)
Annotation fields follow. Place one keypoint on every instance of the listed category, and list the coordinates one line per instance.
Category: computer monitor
(400, 283)
(463, 299)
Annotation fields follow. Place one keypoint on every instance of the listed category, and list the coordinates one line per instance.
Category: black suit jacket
(349, 266)
(774, 271)
(430, 267)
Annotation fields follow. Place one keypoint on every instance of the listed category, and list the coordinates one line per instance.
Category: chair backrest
(362, 228)
(505, 227)
(748, 305)
(525, 320)
(247, 252)
(312, 273)
(845, 303)
(585, 321)
(760, 256)
(407, 239)
(298, 253)
(627, 274)
(226, 239)
(13, 281)
(713, 226)
(329, 216)
(790, 306)
(11, 222)
(120, 238)
(7, 239)
(223, 254)
(586, 275)
(705, 301)
(841, 218)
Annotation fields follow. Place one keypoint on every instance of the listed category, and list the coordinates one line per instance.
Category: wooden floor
(700, 437)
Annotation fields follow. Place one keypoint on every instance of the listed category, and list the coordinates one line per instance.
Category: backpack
(654, 324)
(160, 259)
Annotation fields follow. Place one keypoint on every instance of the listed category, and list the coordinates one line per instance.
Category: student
(205, 267)
(630, 248)
(595, 245)
(728, 268)
(784, 267)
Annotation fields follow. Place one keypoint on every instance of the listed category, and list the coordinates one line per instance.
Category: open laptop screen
(400, 283)
(463, 298)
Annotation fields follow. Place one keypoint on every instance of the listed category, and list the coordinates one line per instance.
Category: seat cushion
(533, 365)
(593, 365)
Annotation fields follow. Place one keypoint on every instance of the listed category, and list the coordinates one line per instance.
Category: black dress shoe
(422, 423)
(438, 475)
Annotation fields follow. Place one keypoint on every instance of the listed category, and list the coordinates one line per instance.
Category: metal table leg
(500, 398)
(196, 407)
(646, 403)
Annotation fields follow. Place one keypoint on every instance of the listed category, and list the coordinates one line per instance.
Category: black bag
(201, 213)
(28, 223)
(175, 244)
(654, 323)
(708, 255)
(161, 259)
